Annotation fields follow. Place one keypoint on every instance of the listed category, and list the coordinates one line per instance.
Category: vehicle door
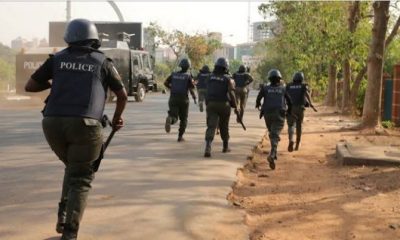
(136, 66)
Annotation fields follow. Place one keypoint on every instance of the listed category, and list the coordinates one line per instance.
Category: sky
(29, 19)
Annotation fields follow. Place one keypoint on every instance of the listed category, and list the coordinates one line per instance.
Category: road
(149, 185)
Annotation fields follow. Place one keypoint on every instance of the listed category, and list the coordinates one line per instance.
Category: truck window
(146, 61)
(136, 61)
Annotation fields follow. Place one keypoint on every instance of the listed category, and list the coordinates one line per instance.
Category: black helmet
(184, 63)
(298, 77)
(205, 69)
(242, 68)
(80, 30)
(274, 73)
(222, 62)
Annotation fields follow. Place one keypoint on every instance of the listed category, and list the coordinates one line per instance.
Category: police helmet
(184, 63)
(205, 68)
(222, 62)
(298, 77)
(274, 73)
(80, 30)
(242, 68)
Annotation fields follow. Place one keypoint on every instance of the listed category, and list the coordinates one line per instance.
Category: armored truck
(132, 62)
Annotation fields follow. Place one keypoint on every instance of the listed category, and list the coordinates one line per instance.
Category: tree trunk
(372, 101)
(332, 86)
(353, 20)
(346, 87)
(356, 86)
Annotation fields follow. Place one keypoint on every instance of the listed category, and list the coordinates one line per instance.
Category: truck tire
(140, 93)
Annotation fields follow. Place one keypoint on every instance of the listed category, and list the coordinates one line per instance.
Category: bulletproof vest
(179, 83)
(77, 90)
(202, 80)
(274, 98)
(296, 93)
(240, 79)
(217, 88)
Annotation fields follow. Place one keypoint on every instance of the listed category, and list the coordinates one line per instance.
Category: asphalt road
(149, 187)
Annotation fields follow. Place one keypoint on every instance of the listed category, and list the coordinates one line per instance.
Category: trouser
(241, 94)
(201, 93)
(179, 109)
(274, 120)
(295, 121)
(218, 114)
(77, 143)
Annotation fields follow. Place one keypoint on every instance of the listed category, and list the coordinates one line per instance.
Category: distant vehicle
(134, 65)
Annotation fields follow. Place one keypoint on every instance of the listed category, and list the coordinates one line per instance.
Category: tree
(197, 47)
(372, 102)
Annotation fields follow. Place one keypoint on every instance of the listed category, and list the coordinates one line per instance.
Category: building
(227, 51)
(264, 30)
(244, 49)
(164, 54)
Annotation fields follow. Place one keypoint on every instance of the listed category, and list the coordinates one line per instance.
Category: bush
(388, 124)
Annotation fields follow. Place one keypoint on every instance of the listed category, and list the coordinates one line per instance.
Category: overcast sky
(30, 19)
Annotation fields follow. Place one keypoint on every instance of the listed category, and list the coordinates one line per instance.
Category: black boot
(61, 217)
(180, 138)
(272, 158)
(207, 151)
(298, 139)
(225, 147)
(69, 233)
(290, 147)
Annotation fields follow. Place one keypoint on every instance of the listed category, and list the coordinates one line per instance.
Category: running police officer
(179, 84)
(242, 81)
(276, 101)
(220, 98)
(201, 84)
(299, 94)
(80, 77)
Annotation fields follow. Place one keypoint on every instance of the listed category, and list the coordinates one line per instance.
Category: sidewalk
(311, 196)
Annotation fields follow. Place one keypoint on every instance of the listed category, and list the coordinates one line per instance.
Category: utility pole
(248, 23)
(68, 10)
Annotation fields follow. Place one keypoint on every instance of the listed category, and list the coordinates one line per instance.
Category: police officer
(179, 84)
(276, 102)
(299, 94)
(242, 81)
(80, 77)
(201, 84)
(220, 98)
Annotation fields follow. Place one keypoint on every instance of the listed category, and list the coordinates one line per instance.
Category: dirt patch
(310, 196)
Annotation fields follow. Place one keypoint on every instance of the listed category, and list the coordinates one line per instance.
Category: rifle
(313, 108)
(240, 120)
(104, 122)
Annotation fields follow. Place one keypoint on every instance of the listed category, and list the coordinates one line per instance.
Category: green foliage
(388, 124)
(234, 65)
(310, 36)
(392, 56)
(360, 97)
(162, 71)
(197, 47)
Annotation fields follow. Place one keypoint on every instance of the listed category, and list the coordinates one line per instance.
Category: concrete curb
(346, 157)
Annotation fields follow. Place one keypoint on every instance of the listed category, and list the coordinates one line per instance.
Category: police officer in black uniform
(80, 76)
(299, 94)
(276, 102)
(220, 98)
(201, 84)
(242, 81)
(179, 84)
